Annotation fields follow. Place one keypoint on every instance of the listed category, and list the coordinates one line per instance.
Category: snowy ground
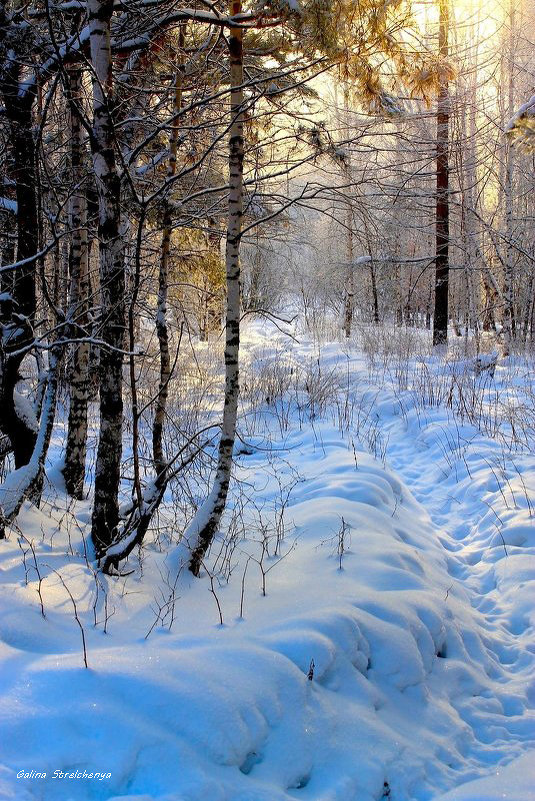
(398, 554)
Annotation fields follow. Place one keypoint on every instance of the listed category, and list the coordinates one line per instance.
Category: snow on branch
(8, 205)
(26, 482)
(521, 127)
(281, 6)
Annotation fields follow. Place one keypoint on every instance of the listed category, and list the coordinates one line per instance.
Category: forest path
(479, 497)
(479, 494)
(479, 512)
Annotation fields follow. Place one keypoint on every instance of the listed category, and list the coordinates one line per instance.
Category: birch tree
(112, 279)
(208, 522)
(441, 315)
(163, 282)
(508, 274)
(330, 33)
(77, 318)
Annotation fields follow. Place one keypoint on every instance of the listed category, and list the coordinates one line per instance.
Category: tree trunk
(7, 257)
(27, 481)
(75, 454)
(373, 276)
(350, 270)
(350, 274)
(209, 516)
(440, 321)
(528, 308)
(163, 281)
(467, 176)
(508, 290)
(112, 281)
(17, 315)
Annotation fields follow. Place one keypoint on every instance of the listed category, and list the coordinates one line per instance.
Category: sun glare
(471, 18)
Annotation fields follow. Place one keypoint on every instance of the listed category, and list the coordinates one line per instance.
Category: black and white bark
(467, 174)
(440, 319)
(349, 288)
(162, 329)
(112, 280)
(508, 271)
(206, 523)
(350, 272)
(77, 317)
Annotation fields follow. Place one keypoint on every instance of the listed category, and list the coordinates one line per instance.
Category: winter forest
(267, 400)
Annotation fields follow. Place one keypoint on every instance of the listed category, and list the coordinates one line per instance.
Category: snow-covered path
(480, 506)
(390, 656)
(480, 498)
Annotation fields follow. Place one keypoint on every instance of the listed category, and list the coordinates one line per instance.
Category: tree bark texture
(162, 331)
(440, 320)
(112, 281)
(508, 272)
(212, 512)
(350, 274)
(17, 314)
(76, 449)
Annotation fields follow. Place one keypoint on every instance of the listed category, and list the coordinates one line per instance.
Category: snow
(25, 411)
(516, 780)
(8, 205)
(521, 127)
(402, 564)
(292, 6)
(526, 110)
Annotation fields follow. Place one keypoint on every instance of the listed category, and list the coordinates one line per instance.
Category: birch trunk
(467, 182)
(210, 515)
(75, 454)
(373, 276)
(350, 275)
(440, 320)
(375, 297)
(508, 293)
(528, 308)
(112, 281)
(490, 299)
(350, 272)
(160, 464)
